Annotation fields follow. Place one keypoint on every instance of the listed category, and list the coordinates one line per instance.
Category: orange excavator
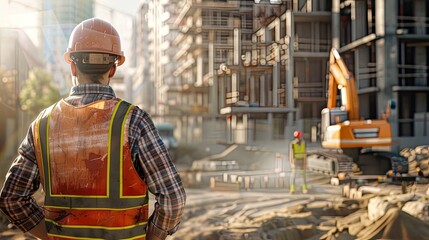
(342, 126)
(343, 130)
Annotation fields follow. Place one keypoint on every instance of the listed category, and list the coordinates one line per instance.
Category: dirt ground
(274, 214)
(324, 213)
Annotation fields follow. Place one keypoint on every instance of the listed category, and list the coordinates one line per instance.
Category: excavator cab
(339, 132)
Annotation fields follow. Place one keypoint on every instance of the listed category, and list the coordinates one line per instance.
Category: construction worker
(96, 156)
(298, 159)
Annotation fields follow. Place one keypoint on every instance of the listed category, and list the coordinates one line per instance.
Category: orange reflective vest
(92, 190)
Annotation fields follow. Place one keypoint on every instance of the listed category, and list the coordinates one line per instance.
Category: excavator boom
(341, 78)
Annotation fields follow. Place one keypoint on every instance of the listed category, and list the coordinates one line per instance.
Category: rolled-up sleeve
(22, 181)
(160, 175)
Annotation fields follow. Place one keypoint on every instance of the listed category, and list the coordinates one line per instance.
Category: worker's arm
(291, 158)
(22, 181)
(161, 177)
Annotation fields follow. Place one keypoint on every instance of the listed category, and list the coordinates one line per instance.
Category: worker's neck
(84, 80)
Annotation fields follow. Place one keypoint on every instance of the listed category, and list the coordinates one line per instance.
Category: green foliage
(38, 92)
(7, 88)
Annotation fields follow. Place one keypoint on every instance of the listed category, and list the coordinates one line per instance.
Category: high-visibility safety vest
(92, 190)
(298, 150)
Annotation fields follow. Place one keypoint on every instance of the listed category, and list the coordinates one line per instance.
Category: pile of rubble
(418, 159)
(403, 216)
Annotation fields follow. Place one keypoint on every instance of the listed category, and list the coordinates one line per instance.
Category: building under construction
(250, 72)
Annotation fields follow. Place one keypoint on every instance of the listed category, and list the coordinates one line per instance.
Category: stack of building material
(403, 216)
(418, 159)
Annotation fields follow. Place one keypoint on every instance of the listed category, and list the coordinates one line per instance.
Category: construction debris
(418, 160)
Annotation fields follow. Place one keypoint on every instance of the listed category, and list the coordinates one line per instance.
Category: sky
(119, 14)
(24, 14)
(127, 6)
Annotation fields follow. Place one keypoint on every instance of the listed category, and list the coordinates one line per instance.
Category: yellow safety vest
(92, 190)
(299, 150)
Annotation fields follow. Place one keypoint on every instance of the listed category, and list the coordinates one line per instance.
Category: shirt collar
(92, 88)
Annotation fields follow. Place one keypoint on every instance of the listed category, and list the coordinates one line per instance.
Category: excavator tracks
(329, 162)
(369, 163)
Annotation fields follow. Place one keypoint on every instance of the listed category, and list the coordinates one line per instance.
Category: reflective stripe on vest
(116, 210)
(299, 150)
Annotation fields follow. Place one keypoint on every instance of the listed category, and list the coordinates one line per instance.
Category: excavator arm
(340, 78)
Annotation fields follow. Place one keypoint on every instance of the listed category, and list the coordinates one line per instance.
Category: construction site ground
(221, 205)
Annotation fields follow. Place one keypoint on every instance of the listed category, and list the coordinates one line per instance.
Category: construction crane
(343, 129)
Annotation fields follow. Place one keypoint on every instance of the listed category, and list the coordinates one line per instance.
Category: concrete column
(237, 46)
(420, 58)
(214, 84)
(252, 89)
(290, 103)
(309, 6)
(420, 11)
(354, 20)
(387, 58)
(295, 5)
(315, 7)
(360, 18)
(234, 82)
(199, 81)
(316, 37)
(262, 90)
(237, 55)
(246, 128)
(276, 79)
(336, 24)
(362, 53)
(357, 68)
(270, 126)
(221, 82)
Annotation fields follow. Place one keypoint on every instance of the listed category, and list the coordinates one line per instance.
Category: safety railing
(413, 75)
(413, 25)
(408, 75)
(216, 21)
(367, 76)
(308, 90)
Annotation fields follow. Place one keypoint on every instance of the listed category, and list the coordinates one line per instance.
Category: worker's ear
(112, 71)
(73, 69)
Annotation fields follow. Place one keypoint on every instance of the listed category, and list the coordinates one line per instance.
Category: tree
(38, 92)
(7, 88)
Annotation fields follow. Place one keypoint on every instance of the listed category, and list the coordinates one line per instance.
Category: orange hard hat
(95, 36)
(297, 134)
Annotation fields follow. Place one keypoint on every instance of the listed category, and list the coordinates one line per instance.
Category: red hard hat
(96, 36)
(297, 134)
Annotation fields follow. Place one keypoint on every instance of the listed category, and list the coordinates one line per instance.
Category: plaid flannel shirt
(153, 165)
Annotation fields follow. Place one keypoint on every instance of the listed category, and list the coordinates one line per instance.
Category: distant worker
(298, 160)
(96, 156)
